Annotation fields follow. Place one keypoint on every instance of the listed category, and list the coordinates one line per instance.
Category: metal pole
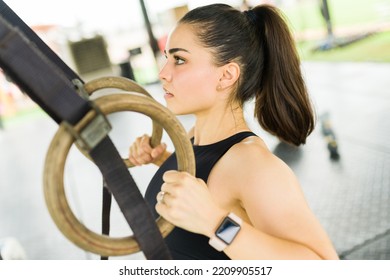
(152, 40)
(326, 15)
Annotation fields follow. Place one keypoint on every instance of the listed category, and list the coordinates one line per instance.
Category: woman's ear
(230, 74)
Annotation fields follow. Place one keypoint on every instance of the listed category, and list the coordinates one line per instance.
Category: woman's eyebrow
(173, 50)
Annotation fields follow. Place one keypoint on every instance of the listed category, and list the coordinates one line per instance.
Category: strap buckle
(92, 128)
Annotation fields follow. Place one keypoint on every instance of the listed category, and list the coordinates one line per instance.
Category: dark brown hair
(260, 41)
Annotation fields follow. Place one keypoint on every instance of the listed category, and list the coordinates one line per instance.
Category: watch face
(227, 230)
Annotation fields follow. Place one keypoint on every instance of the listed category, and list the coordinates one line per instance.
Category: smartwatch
(226, 232)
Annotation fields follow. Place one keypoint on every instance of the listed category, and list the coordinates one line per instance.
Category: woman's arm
(279, 222)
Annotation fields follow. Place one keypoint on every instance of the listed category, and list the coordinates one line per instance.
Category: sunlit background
(117, 27)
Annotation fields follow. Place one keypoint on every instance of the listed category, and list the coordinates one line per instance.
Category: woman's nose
(165, 73)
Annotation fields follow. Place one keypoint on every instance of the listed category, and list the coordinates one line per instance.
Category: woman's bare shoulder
(251, 164)
(253, 152)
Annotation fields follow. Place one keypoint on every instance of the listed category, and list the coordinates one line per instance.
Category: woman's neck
(218, 125)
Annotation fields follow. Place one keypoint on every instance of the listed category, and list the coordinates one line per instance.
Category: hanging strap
(64, 70)
(106, 210)
(39, 72)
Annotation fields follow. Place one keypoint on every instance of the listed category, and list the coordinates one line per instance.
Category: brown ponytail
(282, 106)
(259, 40)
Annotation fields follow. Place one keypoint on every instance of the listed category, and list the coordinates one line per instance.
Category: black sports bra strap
(208, 155)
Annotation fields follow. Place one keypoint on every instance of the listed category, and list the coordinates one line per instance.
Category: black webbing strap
(37, 76)
(8, 14)
(123, 194)
(106, 210)
(44, 79)
(70, 102)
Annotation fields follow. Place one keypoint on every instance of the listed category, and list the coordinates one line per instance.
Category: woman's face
(189, 77)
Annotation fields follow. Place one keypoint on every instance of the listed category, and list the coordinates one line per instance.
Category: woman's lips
(168, 94)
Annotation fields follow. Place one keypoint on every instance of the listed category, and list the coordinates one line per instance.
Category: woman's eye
(178, 60)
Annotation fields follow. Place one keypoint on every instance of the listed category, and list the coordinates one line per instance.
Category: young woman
(244, 202)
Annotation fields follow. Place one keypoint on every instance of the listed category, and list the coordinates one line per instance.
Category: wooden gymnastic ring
(57, 153)
(130, 86)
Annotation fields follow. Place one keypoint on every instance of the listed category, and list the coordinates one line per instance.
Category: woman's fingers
(141, 152)
(158, 150)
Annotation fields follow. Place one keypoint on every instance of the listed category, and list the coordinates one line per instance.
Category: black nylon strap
(136, 213)
(41, 77)
(35, 74)
(8, 14)
(106, 210)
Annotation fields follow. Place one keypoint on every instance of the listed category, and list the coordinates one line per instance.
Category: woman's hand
(140, 152)
(186, 202)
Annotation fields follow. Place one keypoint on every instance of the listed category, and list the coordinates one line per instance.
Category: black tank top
(185, 245)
